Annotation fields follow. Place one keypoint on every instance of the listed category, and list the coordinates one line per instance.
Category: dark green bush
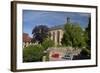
(85, 54)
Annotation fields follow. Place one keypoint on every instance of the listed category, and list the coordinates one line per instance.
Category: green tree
(73, 36)
(40, 33)
(47, 43)
(33, 53)
(88, 33)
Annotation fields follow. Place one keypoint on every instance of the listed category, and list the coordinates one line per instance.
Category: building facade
(56, 32)
(56, 35)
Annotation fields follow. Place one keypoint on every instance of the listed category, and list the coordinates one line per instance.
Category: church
(56, 33)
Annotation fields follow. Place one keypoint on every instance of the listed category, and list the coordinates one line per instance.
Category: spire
(68, 19)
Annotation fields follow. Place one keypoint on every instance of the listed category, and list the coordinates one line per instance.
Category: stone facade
(56, 35)
(57, 32)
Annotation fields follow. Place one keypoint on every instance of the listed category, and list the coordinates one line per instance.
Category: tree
(88, 33)
(47, 43)
(33, 53)
(40, 33)
(84, 54)
(73, 36)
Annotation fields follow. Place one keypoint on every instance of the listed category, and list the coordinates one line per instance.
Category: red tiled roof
(26, 37)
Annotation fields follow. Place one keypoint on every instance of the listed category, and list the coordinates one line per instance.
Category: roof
(26, 37)
(57, 27)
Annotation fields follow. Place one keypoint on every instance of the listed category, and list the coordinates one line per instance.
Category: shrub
(85, 54)
(33, 53)
(47, 43)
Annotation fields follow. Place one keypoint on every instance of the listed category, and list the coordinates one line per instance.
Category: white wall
(5, 37)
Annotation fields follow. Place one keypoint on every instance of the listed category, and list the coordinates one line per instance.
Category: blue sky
(32, 18)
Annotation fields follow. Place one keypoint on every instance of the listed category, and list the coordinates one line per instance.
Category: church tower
(68, 19)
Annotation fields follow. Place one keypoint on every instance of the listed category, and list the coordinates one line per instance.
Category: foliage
(85, 54)
(47, 43)
(73, 36)
(40, 33)
(85, 51)
(47, 57)
(33, 40)
(33, 53)
(88, 33)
